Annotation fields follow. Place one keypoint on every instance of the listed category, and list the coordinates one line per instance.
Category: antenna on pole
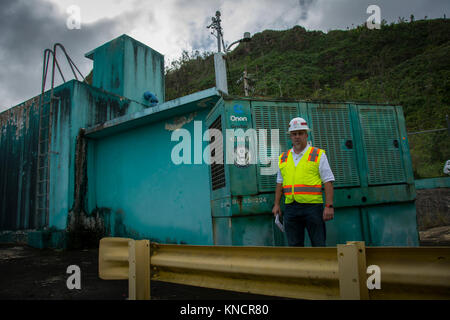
(215, 25)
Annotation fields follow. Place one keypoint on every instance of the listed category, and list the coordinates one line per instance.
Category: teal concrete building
(122, 165)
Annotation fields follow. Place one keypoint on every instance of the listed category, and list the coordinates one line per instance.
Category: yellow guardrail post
(126, 259)
(142, 255)
(352, 271)
(131, 270)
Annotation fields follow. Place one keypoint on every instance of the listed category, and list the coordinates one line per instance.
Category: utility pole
(245, 82)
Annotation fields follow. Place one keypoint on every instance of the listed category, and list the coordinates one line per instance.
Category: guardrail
(304, 273)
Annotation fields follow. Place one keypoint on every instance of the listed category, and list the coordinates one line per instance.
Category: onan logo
(238, 109)
(234, 118)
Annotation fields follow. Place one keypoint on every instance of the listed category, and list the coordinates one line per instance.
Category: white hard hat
(298, 124)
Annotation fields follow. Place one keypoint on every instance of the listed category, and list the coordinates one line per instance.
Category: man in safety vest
(301, 172)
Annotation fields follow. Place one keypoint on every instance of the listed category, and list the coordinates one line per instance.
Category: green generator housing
(367, 148)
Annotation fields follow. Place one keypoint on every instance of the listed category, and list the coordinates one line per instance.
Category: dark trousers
(297, 217)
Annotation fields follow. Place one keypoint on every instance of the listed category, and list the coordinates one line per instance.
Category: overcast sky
(28, 27)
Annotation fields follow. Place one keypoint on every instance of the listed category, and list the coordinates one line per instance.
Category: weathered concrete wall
(89, 106)
(18, 166)
(140, 193)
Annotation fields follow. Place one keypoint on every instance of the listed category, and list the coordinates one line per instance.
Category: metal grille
(272, 117)
(381, 145)
(331, 131)
(217, 170)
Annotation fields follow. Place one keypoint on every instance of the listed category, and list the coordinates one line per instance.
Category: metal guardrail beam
(411, 273)
(305, 273)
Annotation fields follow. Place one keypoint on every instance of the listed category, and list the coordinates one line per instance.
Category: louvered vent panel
(273, 117)
(217, 170)
(381, 145)
(331, 130)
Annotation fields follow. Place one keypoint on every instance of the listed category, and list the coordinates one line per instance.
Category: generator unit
(368, 152)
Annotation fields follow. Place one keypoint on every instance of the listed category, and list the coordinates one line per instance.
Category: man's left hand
(328, 214)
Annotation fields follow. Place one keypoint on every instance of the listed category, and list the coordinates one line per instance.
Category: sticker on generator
(242, 157)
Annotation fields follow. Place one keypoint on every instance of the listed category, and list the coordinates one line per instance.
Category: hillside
(406, 63)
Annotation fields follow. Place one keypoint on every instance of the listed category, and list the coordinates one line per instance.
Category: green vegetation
(405, 63)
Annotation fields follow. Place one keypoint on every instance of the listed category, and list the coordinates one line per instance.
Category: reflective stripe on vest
(314, 155)
(304, 189)
(285, 156)
(287, 190)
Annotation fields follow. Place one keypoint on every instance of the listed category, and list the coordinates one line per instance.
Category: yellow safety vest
(302, 183)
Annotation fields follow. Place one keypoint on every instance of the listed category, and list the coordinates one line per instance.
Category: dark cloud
(27, 30)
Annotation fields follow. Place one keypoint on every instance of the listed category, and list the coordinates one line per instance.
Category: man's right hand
(276, 210)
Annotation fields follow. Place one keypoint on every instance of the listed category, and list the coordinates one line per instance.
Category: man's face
(299, 138)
